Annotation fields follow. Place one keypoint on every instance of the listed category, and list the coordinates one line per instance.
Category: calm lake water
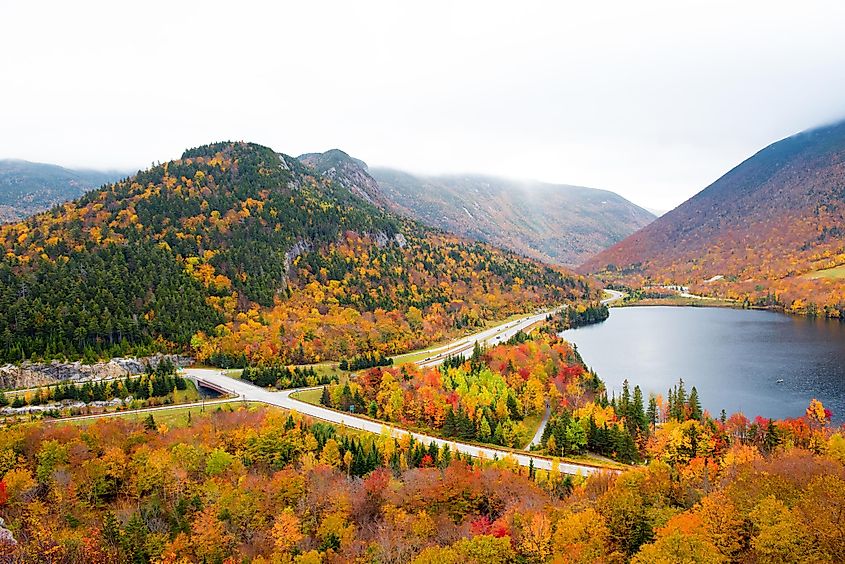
(733, 357)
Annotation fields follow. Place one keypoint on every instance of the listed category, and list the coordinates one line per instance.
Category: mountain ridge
(28, 187)
(235, 252)
(555, 223)
(765, 226)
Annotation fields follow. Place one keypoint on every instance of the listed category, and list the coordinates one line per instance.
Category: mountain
(350, 173)
(235, 251)
(27, 188)
(549, 222)
(557, 224)
(770, 231)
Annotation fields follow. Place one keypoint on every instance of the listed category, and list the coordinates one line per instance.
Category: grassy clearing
(828, 273)
(175, 417)
(413, 356)
(531, 423)
(309, 396)
(514, 317)
(678, 301)
(188, 395)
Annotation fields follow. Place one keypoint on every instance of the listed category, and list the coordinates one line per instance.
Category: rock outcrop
(346, 171)
(30, 374)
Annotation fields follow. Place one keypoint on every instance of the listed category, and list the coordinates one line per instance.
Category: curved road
(284, 400)
(615, 295)
(495, 335)
(463, 347)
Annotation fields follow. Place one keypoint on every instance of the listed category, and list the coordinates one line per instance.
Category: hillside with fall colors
(236, 252)
(770, 232)
(554, 223)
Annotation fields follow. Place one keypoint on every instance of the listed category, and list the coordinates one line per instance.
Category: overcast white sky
(653, 100)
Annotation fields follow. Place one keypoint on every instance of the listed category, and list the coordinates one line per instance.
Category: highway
(615, 296)
(488, 337)
(283, 399)
(241, 390)
(463, 346)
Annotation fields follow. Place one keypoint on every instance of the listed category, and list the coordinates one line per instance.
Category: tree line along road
(214, 378)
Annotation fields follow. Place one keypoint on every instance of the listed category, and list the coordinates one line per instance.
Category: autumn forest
(355, 331)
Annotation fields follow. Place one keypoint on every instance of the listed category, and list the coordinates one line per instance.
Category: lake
(733, 357)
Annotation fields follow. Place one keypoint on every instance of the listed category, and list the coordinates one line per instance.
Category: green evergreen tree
(111, 529)
(150, 423)
(625, 401)
(680, 401)
(652, 413)
(694, 405)
(638, 410)
(445, 456)
(513, 407)
(670, 403)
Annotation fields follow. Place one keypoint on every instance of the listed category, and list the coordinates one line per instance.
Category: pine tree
(325, 398)
(476, 352)
(433, 452)
(638, 410)
(694, 405)
(625, 401)
(670, 403)
(445, 456)
(680, 401)
(513, 408)
(449, 428)
(111, 529)
(652, 414)
(150, 423)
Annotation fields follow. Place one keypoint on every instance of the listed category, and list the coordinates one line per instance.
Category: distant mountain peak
(762, 231)
(29, 187)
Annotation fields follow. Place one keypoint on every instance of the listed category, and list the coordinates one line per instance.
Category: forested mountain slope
(235, 250)
(554, 223)
(27, 188)
(768, 231)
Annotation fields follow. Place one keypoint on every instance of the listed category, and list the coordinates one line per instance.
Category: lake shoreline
(736, 357)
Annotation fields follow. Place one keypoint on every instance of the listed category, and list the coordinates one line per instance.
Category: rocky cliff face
(30, 375)
(6, 536)
(350, 173)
